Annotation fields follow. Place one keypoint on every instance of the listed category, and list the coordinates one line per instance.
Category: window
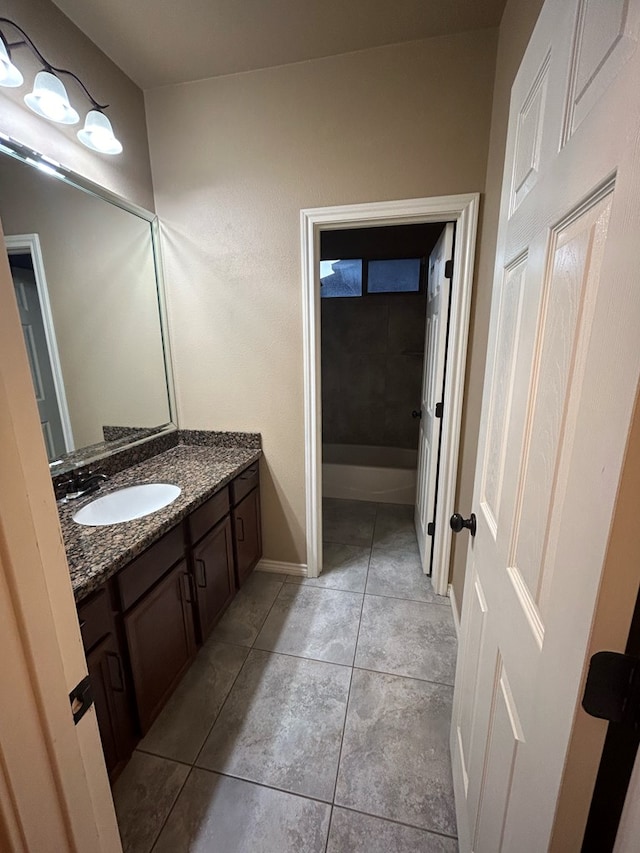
(399, 276)
(358, 277)
(341, 278)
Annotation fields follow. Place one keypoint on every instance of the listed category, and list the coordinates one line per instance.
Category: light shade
(49, 99)
(9, 74)
(97, 134)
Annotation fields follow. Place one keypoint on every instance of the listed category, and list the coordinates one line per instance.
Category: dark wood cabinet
(106, 663)
(247, 535)
(112, 703)
(161, 638)
(140, 630)
(214, 577)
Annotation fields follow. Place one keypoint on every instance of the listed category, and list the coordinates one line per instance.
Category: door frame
(21, 244)
(461, 209)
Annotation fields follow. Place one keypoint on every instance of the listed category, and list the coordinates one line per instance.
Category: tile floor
(316, 717)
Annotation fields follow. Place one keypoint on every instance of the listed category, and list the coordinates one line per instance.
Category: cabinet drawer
(140, 575)
(95, 619)
(244, 482)
(209, 514)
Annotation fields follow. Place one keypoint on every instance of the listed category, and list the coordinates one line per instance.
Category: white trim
(31, 243)
(275, 567)
(461, 209)
(454, 608)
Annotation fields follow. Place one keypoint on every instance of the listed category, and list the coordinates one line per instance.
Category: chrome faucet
(78, 485)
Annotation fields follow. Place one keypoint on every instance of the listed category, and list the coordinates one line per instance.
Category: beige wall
(234, 160)
(99, 266)
(127, 174)
(516, 27)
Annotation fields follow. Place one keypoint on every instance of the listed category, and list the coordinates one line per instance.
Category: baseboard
(275, 567)
(454, 609)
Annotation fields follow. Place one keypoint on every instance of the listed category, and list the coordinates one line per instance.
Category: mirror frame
(55, 170)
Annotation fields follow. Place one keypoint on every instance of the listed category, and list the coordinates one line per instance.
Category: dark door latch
(81, 699)
(612, 691)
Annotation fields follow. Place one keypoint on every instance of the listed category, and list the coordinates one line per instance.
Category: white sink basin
(127, 504)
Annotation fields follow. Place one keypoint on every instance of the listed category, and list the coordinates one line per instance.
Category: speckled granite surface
(115, 433)
(94, 554)
(220, 439)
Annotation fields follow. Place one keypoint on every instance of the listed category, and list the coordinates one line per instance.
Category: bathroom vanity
(87, 273)
(150, 591)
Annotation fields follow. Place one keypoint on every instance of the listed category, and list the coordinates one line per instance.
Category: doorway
(32, 297)
(385, 295)
(461, 210)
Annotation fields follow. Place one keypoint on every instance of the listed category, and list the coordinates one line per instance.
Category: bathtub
(363, 473)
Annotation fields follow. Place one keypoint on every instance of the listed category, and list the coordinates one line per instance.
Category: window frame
(366, 293)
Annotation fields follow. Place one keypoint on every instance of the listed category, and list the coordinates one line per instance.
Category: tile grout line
(366, 580)
(446, 603)
(400, 823)
(268, 613)
(399, 675)
(302, 657)
(326, 843)
(163, 757)
(236, 678)
(170, 812)
(265, 785)
(346, 709)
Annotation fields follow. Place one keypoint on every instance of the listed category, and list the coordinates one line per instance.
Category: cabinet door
(247, 535)
(112, 704)
(161, 637)
(213, 570)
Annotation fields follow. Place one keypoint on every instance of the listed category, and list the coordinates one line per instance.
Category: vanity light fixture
(49, 97)
(97, 133)
(9, 74)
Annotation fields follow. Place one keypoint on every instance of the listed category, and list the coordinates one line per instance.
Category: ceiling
(158, 42)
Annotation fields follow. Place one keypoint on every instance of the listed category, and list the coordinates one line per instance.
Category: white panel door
(435, 351)
(35, 340)
(561, 379)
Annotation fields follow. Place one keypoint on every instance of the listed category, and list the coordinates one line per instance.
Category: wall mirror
(87, 277)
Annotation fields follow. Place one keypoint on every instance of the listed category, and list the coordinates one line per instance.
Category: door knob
(458, 523)
(416, 414)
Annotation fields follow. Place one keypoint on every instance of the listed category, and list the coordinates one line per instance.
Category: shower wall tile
(406, 324)
(372, 369)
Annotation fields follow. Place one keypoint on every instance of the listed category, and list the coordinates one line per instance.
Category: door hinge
(81, 699)
(438, 410)
(612, 691)
(431, 528)
(448, 269)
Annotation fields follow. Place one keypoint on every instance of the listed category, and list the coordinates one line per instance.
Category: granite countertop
(94, 554)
